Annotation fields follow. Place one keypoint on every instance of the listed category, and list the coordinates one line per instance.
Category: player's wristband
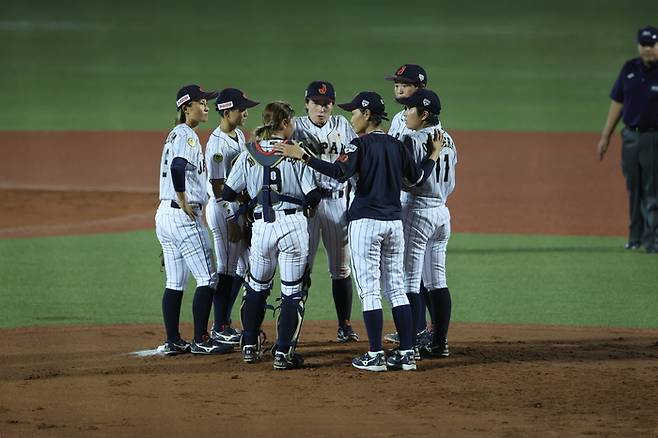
(305, 157)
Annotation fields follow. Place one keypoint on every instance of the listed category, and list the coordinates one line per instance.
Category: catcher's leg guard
(252, 313)
(290, 322)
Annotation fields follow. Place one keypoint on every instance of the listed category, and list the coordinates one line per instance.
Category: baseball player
(326, 135)
(375, 229)
(280, 190)
(407, 79)
(185, 243)
(224, 145)
(426, 220)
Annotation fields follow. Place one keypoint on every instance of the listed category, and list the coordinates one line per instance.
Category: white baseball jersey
(399, 128)
(289, 177)
(326, 142)
(435, 190)
(185, 242)
(426, 216)
(183, 142)
(221, 151)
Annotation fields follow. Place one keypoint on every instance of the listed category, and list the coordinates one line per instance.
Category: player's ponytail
(180, 117)
(274, 114)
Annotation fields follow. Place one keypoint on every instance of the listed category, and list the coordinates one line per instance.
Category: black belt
(642, 128)
(328, 193)
(287, 212)
(174, 204)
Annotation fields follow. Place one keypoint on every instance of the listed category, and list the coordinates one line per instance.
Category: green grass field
(546, 65)
(507, 65)
(104, 279)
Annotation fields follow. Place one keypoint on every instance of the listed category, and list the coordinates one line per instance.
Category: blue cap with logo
(424, 99)
(193, 92)
(647, 36)
(232, 98)
(367, 100)
(319, 91)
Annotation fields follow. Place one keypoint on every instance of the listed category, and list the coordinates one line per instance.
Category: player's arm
(215, 166)
(342, 169)
(237, 180)
(312, 193)
(178, 167)
(416, 173)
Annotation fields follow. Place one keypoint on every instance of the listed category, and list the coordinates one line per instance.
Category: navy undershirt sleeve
(313, 198)
(228, 194)
(178, 166)
(332, 170)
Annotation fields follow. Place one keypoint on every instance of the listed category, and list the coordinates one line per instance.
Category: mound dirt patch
(514, 381)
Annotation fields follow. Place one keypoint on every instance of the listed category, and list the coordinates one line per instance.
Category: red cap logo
(322, 89)
(401, 70)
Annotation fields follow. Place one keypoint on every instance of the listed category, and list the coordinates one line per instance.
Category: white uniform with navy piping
(221, 152)
(329, 220)
(426, 217)
(185, 242)
(286, 239)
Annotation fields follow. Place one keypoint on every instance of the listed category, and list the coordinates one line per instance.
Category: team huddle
(377, 200)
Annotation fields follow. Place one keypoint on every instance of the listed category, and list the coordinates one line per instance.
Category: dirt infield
(512, 381)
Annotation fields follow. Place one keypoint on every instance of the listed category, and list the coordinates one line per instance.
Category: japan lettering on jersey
(221, 152)
(399, 128)
(435, 190)
(183, 142)
(288, 177)
(325, 142)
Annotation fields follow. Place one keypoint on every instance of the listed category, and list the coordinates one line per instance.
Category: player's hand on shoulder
(436, 139)
(291, 149)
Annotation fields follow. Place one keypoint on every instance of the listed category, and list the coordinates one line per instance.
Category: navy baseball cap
(366, 100)
(647, 36)
(320, 90)
(193, 92)
(423, 98)
(230, 98)
(410, 74)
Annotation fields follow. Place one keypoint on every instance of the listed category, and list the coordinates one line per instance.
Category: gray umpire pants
(639, 163)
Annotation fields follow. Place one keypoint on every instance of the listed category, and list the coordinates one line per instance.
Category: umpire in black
(635, 100)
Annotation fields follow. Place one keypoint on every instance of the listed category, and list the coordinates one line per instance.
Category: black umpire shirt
(636, 88)
(380, 162)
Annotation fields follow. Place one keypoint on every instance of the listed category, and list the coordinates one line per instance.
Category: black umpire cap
(647, 36)
(424, 99)
(193, 92)
(367, 100)
(320, 91)
(410, 74)
(230, 98)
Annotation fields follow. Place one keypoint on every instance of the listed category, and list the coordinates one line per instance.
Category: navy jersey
(380, 162)
(636, 88)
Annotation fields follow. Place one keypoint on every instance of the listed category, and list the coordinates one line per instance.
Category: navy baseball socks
(425, 304)
(342, 292)
(417, 308)
(253, 313)
(220, 301)
(441, 303)
(374, 321)
(201, 306)
(171, 304)
(404, 325)
(236, 285)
